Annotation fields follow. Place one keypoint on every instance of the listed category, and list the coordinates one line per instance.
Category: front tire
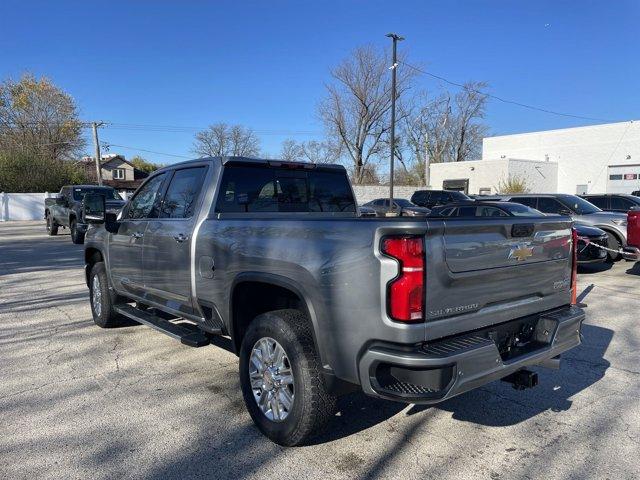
(102, 299)
(76, 236)
(614, 244)
(52, 227)
(281, 378)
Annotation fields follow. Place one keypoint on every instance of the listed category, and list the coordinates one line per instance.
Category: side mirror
(565, 211)
(93, 208)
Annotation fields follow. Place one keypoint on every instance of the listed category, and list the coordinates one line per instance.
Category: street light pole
(395, 38)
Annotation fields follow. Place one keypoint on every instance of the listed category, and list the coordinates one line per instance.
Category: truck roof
(257, 161)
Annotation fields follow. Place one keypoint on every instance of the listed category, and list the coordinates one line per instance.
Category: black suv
(433, 198)
(613, 202)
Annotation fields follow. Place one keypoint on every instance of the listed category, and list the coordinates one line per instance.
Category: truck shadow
(496, 404)
(42, 254)
(634, 270)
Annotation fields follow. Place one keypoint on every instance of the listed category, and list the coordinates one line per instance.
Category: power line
(504, 100)
(108, 144)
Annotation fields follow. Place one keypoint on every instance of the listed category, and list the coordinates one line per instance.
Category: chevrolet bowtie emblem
(521, 252)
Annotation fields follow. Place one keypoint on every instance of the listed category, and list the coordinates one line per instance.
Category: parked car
(318, 302)
(433, 198)
(65, 209)
(367, 211)
(582, 212)
(485, 209)
(401, 206)
(613, 202)
(590, 239)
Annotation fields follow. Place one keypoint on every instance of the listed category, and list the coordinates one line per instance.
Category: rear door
(487, 270)
(126, 245)
(167, 259)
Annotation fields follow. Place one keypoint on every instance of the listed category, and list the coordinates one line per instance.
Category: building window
(615, 177)
(118, 173)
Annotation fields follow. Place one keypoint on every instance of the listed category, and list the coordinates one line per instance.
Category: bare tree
(356, 110)
(447, 129)
(39, 119)
(466, 131)
(314, 151)
(291, 151)
(220, 140)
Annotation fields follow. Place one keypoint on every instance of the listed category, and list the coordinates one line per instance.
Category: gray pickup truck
(65, 209)
(318, 301)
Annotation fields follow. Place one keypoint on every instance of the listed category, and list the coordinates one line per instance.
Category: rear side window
(600, 202)
(528, 201)
(263, 189)
(182, 193)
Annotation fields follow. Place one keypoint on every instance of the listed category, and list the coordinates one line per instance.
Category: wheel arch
(273, 292)
(619, 236)
(92, 255)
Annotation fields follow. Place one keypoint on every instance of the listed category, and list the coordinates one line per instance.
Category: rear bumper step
(431, 373)
(187, 336)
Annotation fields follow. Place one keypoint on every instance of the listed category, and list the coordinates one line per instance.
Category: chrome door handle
(181, 237)
(137, 234)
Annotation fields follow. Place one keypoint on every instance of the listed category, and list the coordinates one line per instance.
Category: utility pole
(395, 38)
(427, 161)
(95, 126)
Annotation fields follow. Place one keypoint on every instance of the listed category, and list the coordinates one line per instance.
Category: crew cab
(318, 301)
(65, 209)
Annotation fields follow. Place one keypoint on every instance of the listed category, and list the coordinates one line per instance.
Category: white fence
(26, 206)
(22, 206)
(30, 206)
(366, 193)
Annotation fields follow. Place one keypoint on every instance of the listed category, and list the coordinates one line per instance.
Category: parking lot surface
(77, 401)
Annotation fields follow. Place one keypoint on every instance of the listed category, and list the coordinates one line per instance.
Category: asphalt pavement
(77, 401)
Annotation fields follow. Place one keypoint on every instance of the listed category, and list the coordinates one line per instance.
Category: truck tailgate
(495, 270)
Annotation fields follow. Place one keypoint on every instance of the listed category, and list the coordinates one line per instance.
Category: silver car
(401, 206)
(582, 212)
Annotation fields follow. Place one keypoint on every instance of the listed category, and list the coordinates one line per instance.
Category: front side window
(550, 205)
(146, 201)
(578, 205)
(265, 189)
(182, 193)
(491, 212)
(528, 201)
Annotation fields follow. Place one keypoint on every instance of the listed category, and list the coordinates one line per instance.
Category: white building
(593, 159)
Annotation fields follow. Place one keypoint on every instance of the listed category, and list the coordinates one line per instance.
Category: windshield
(403, 203)
(109, 193)
(579, 205)
(518, 210)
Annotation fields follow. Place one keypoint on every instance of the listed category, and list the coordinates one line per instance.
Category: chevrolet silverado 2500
(318, 301)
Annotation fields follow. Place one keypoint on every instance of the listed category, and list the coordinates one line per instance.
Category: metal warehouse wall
(583, 154)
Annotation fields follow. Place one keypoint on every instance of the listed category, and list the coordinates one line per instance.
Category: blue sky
(264, 64)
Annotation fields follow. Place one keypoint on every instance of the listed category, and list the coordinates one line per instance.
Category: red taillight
(574, 266)
(405, 293)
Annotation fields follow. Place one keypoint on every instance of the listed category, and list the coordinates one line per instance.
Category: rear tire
(102, 298)
(52, 227)
(76, 236)
(614, 244)
(311, 406)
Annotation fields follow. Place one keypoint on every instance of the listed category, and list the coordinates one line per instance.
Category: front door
(126, 245)
(167, 259)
